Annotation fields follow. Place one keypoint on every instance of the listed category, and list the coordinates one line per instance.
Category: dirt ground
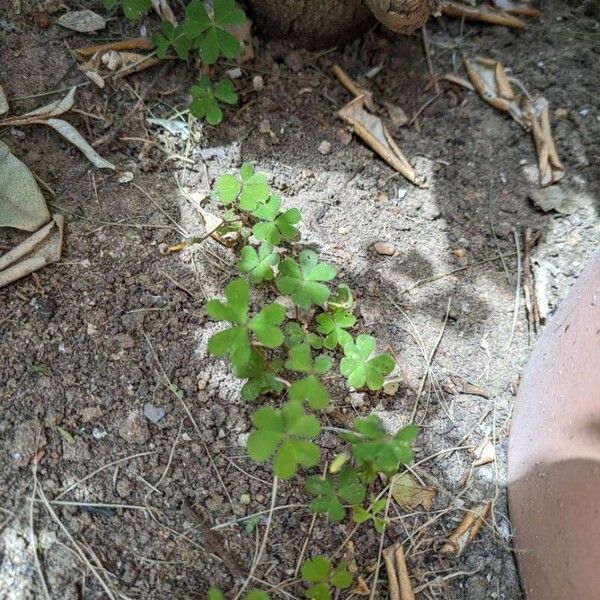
(90, 346)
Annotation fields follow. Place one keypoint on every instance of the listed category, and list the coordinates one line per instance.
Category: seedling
(284, 359)
(333, 492)
(319, 572)
(284, 434)
(204, 33)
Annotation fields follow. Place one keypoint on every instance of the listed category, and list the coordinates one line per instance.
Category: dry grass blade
(482, 14)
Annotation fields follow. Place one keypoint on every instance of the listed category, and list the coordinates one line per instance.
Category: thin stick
(257, 514)
(93, 473)
(430, 361)
(79, 551)
(32, 538)
(393, 587)
(216, 470)
(517, 290)
(259, 554)
(406, 589)
(376, 575)
(427, 49)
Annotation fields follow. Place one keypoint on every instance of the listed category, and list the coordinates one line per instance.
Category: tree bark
(312, 23)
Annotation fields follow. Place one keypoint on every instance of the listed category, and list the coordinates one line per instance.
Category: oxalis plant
(286, 351)
(203, 33)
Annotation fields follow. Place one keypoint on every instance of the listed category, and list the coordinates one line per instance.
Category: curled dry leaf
(37, 251)
(21, 203)
(484, 453)
(400, 586)
(485, 14)
(82, 21)
(493, 85)
(3, 102)
(409, 493)
(465, 533)
(164, 11)
(374, 133)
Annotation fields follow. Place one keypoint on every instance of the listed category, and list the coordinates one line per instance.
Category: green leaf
(254, 188)
(309, 389)
(109, 4)
(208, 46)
(274, 226)
(316, 569)
(174, 36)
(284, 434)
(333, 491)
(333, 325)
(360, 514)
(259, 264)
(256, 595)
(215, 594)
(360, 369)
(205, 104)
(196, 19)
(266, 324)
(227, 188)
(227, 13)
(295, 335)
(303, 281)
(341, 577)
(342, 298)
(319, 591)
(260, 376)
(132, 9)
(235, 310)
(228, 44)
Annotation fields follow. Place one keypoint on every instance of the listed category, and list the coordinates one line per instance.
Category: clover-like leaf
(362, 515)
(261, 376)
(197, 19)
(318, 571)
(259, 265)
(215, 594)
(360, 369)
(332, 492)
(256, 594)
(341, 298)
(308, 389)
(283, 434)
(255, 190)
(295, 334)
(303, 281)
(333, 326)
(374, 448)
(265, 325)
(274, 226)
(206, 98)
(132, 9)
(172, 36)
(227, 13)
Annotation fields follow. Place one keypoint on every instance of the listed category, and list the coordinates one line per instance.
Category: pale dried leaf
(371, 130)
(82, 21)
(37, 251)
(58, 107)
(484, 453)
(4, 106)
(466, 531)
(409, 493)
(70, 133)
(21, 203)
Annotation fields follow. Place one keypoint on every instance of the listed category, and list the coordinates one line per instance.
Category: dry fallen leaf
(3, 102)
(21, 203)
(361, 588)
(38, 250)
(82, 21)
(164, 11)
(493, 85)
(485, 14)
(464, 534)
(409, 493)
(484, 453)
(374, 133)
(400, 586)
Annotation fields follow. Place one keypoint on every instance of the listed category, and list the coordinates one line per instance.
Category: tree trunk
(323, 23)
(312, 23)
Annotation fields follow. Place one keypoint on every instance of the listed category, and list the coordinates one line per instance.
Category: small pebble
(384, 248)
(325, 147)
(245, 499)
(258, 83)
(98, 433)
(154, 413)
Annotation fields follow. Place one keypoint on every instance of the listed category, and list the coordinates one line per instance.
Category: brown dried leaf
(464, 534)
(409, 493)
(82, 21)
(484, 453)
(374, 133)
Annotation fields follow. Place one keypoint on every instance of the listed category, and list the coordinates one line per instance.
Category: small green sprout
(275, 226)
(261, 376)
(132, 9)
(361, 515)
(360, 369)
(284, 434)
(309, 388)
(255, 594)
(333, 326)
(319, 572)
(206, 98)
(373, 448)
(303, 281)
(251, 191)
(259, 265)
(235, 341)
(333, 491)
